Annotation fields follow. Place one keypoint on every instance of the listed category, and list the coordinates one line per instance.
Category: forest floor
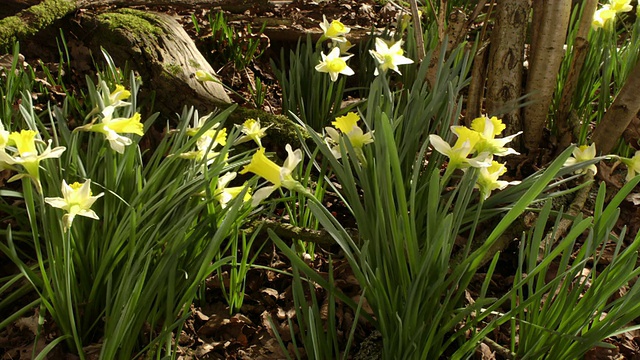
(214, 332)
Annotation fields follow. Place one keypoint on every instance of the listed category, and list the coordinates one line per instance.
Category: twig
(291, 232)
(502, 351)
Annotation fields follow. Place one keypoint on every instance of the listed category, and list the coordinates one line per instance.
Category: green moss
(194, 64)
(138, 22)
(28, 22)
(173, 69)
(48, 11)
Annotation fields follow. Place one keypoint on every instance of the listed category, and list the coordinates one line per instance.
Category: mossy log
(157, 47)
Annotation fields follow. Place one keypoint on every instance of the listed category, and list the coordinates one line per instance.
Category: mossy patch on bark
(135, 21)
(31, 20)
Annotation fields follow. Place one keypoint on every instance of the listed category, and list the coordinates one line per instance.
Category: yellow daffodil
(112, 128)
(581, 154)
(76, 200)
(334, 64)
(335, 30)
(602, 16)
(620, 6)
(389, 57)
(348, 125)
(347, 122)
(205, 145)
(459, 152)
(117, 96)
(26, 154)
(225, 194)
(252, 131)
(488, 179)
(219, 135)
(270, 171)
(488, 128)
(633, 165)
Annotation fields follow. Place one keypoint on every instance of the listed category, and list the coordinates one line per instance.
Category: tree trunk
(550, 21)
(580, 49)
(504, 82)
(624, 108)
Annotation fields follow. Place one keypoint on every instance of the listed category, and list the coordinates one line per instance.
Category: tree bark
(618, 117)
(551, 20)
(580, 49)
(504, 82)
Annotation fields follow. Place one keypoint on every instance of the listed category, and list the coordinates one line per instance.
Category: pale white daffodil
(488, 128)
(602, 16)
(270, 171)
(251, 130)
(334, 64)
(581, 154)
(459, 152)
(112, 127)
(76, 200)
(488, 179)
(389, 57)
(633, 165)
(26, 154)
(225, 194)
(334, 30)
(620, 6)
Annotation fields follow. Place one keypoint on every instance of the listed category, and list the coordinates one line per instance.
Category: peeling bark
(618, 117)
(550, 22)
(504, 83)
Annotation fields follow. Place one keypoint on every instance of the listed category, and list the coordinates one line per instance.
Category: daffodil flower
(602, 16)
(334, 64)
(488, 179)
(581, 154)
(459, 152)
(4, 136)
(252, 131)
(335, 30)
(117, 96)
(488, 128)
(205, 145)
(225, 194)
(348, 125)
(347, 122)
(270, 171)
(620, 6)
(26, 154)
(633, 165)
(76, 200)
(204, 76)
(389, 57)
(112, 128)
